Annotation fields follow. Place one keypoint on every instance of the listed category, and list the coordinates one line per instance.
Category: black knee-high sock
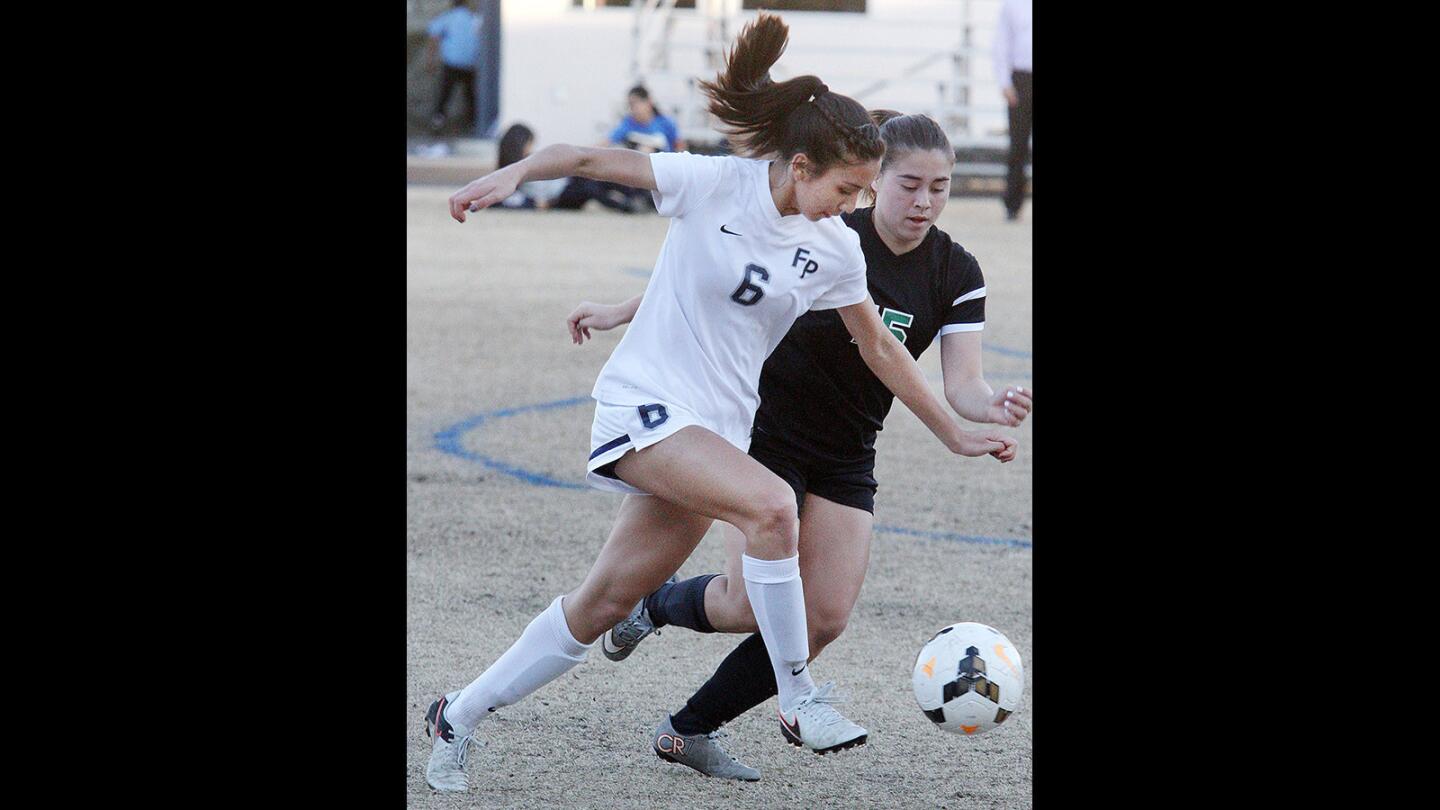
(743, 681)
(681, 603)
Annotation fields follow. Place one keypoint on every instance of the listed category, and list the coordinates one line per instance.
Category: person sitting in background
(645, 129)
(566, 193)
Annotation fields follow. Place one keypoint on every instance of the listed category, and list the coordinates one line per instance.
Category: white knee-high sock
(777, 596)
(544, 652)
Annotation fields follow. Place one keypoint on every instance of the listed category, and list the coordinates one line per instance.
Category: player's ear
(800, 167)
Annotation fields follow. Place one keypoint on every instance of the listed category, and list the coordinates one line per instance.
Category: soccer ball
(968, 678)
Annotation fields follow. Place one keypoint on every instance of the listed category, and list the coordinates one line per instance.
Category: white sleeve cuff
(961, 327)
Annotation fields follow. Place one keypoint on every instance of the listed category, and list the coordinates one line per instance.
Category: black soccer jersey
(815, 390)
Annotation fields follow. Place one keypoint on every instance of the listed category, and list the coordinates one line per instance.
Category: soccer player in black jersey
(819, 412)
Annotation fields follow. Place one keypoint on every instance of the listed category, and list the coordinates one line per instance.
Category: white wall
(565, 70)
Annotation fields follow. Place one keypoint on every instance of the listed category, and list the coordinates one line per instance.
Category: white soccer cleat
(815, 724)
(446, 771)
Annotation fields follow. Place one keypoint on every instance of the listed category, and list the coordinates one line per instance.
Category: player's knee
(774, 522)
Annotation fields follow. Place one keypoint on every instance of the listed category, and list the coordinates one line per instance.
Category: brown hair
(906, 134)
(764, 118)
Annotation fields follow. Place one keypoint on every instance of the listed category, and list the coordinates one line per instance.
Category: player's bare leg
(834, 555)
(650, 540)
(700, 471)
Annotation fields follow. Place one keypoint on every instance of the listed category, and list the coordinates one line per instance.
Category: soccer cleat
(815, 724)
(446, 770)
(699, 751)
(622, 639)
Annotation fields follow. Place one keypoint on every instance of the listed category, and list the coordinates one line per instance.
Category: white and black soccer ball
(968, 678)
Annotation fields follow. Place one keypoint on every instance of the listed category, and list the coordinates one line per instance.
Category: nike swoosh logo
(793, 729)
(732, 233)
(794, 672)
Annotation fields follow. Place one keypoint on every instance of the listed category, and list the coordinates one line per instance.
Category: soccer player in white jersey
(820, 411)
(753, 243)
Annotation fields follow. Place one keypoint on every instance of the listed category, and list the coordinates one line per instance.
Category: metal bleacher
(954, 72)
(948, 77)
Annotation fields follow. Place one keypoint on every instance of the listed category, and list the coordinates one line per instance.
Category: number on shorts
(653, 416)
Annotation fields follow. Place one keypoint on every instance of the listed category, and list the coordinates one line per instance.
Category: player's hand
(1011, 97)
(483, 193)
(1010, 406)
(589, 316)
(976, 443)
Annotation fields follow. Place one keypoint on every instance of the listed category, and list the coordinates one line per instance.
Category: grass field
(499, 523)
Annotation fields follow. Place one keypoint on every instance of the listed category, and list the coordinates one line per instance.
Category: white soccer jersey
(731, 278)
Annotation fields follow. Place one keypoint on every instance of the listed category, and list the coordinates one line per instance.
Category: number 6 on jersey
(747, 293)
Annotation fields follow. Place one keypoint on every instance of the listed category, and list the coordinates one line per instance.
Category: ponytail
(880, 117)
(768, 119)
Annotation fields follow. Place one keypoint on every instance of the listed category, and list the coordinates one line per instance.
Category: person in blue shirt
(645, 129)
(455, 36)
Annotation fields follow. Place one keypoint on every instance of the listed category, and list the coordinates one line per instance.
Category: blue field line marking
(956, 538)
(450, 440)
(991, 347)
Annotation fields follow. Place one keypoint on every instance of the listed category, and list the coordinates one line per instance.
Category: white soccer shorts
(618, 429)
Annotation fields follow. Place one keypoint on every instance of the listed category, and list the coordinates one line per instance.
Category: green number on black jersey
(896, 321)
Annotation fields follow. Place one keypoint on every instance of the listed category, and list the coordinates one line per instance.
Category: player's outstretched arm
(590, 315)
(902, 375)
(623, 166)
(967, 391)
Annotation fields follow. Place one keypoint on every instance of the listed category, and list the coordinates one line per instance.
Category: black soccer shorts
(851, 483)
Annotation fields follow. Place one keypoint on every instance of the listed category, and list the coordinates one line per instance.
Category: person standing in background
(1012, 51)
(455, 35)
